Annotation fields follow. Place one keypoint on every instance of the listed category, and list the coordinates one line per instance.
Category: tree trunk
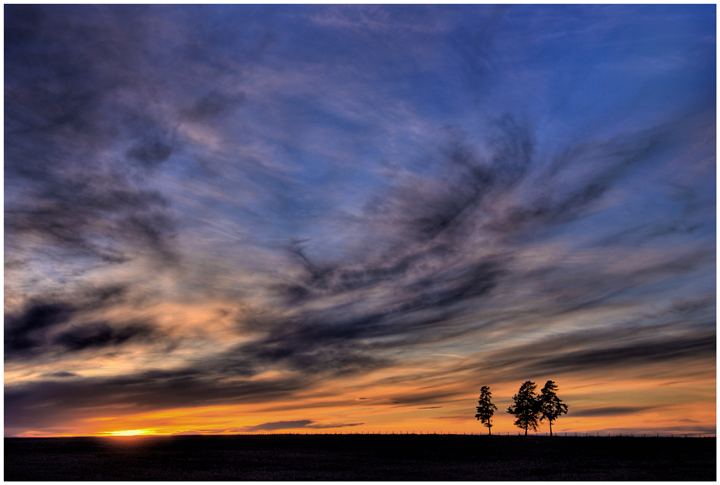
(525, 430)
(489, 429)
(550, 428)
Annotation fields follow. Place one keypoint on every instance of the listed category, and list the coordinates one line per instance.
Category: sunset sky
(311, 219)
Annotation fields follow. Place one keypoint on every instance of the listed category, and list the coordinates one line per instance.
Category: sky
(349, 218)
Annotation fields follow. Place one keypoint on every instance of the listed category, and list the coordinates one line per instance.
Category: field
(360, 457)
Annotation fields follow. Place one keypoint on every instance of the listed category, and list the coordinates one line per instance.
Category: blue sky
(367, 211)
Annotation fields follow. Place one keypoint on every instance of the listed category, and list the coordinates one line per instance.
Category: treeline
(529, 408)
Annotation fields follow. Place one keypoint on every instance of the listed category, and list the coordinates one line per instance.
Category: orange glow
(376, 408)
(127, 432)
(610, 403)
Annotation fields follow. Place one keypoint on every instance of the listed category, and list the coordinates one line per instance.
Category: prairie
(360, 457)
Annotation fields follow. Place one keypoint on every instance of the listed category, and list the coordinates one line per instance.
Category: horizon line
(413, 433)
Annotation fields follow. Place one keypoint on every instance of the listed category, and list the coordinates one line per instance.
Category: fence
(506, 433)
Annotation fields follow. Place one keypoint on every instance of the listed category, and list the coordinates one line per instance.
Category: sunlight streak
(127, 432)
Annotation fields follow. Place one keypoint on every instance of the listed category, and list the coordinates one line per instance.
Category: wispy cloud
(610, 411)
(298, 424)
(237, 205)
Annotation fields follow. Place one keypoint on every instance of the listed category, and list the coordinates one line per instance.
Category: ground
(360, 457)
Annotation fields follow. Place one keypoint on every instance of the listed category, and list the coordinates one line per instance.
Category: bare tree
(485, 407)
(551, 407)
(526, 408)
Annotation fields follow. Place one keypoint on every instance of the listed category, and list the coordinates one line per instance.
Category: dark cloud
(278, 425)
(450, 213)
(328, 278)
(601, 350)
(558, 202)
(99, 335)
(432, 270)
(341, 340)
(468, 182)
(439, 290)
(333, 425)
(23, 23)
(427, 282)
(318, 348)
(27, 404)
(113, 294)
(212, 105)
(426, 278)
(302, 423)
(26, 331)
(611, 411)
(425, 397)
(55, 325)
(660, 350)
(150, 151)
(95, 216)
(656, 431)
(428, 272)
(81, 88)
(61, 374)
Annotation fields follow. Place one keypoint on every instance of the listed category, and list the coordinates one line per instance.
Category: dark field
(360, 457)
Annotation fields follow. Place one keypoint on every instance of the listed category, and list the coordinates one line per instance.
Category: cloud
(602, 349)
(71, 399)
(212, 105)
(150, 151)
(54, 325)
(61, 374)
(101, 334)
(82, 149)
(706, 431)
(104, 215)
(25, 332)
(661, 350)
(427, 280)
(417, 201)
(278, 425)
(344, 317)
(611, 411)
(426, 397)
(426, 274)
(333, 425)
(299, 424)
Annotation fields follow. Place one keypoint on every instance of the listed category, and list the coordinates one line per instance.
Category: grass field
(360, 457)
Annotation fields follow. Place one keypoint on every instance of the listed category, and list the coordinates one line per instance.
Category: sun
(127, 432)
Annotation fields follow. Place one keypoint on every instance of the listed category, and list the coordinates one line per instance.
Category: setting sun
(127, 432)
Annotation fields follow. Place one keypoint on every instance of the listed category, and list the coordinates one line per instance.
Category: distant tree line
(529, 408)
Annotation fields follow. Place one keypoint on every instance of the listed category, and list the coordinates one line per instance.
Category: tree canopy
(485, 407)
(551, 407)
(526, 407)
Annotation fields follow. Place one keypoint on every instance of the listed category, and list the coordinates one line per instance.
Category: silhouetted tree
(551, 407)
(485, 407)
(526, 408)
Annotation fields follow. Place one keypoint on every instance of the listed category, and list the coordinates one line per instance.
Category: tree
(485, 407)
(526, 408)
(551, 407)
